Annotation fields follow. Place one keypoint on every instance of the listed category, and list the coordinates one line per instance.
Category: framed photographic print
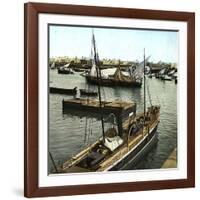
(109, 99)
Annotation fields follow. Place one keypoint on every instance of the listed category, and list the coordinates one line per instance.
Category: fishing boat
(56, 90)
(117, 79)
(126, 141)
(65, 69)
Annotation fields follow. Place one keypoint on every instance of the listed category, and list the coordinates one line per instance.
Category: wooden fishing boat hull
(61, 71)
(137, 142)
(112, 82)
(135, 155)
(55, 90)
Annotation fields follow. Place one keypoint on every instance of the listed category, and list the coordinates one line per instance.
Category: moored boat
(134, 79)
(88, 92)
(56, 90)
(65, 69)
(130, 136)
(114, 151)
(129, 82)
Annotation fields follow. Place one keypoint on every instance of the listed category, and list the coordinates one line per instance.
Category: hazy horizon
(112, 43)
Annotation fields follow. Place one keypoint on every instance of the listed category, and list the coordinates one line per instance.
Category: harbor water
(69, 134)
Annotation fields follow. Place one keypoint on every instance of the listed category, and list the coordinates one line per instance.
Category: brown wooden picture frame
(31, 186)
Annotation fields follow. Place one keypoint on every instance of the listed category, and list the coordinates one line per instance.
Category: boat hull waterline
(112, 82)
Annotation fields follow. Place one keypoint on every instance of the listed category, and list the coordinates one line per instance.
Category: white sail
(138, 73)
(162, 71)
(53, 65)
(93, 71)
(171, 72)
(67, 65)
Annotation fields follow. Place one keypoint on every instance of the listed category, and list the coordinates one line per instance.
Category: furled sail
(93, 71)
(67, 65)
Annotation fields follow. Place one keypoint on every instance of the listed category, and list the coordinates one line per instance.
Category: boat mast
(96, 59)
(144, 88)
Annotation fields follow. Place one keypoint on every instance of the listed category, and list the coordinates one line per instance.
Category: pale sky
(123, 44)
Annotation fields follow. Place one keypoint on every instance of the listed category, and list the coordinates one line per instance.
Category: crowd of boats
(118, 76)
(166, 74)
(131, 134)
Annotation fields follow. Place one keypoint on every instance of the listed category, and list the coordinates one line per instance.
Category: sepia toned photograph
(112, 99)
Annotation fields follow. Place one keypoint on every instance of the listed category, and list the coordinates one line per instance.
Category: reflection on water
(68, 134)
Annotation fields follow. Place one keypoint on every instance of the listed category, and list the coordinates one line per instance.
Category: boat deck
(93, 105)
(110, 159)
(124, 149)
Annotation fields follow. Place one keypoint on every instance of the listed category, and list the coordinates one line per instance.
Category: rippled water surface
(67, 132)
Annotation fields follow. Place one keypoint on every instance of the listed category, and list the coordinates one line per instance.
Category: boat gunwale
(84, 152)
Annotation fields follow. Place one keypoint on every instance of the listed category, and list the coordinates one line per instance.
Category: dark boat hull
(136, 154)
(88, 93)
(112, 82)
(63, 91)
(60, 71)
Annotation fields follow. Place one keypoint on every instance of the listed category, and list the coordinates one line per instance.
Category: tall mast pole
(96, 59)
(144, 88)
